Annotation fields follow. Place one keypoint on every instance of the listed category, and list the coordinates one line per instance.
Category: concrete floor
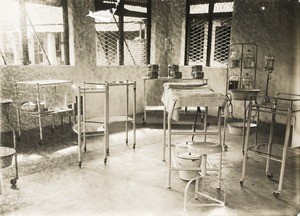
(134, 181)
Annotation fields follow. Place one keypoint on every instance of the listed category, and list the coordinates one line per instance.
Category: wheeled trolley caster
(13, 182)
(276, 194)
(105, 161)
(80, 164)
(242, 182)
(269, 175)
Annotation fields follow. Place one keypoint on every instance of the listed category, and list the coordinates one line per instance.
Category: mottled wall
(82, 35)
(272, 25)
(167, 31)
(273, 29)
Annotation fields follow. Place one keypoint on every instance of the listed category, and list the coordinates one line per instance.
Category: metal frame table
(40, 112)
(283, 104)
(156, 106)
(98, 126)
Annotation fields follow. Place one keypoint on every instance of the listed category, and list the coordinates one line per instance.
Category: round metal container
(177, 75)
(236, 128)
(153, 71)
(6, 155)
(188, 160)
(198, 75)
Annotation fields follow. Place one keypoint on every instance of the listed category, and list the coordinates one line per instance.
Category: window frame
(119, 17)
(210, 16)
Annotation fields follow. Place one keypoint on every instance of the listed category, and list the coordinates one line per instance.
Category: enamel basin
(244, 94)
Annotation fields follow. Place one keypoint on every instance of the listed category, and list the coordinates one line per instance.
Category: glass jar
(249, 59)
(235, 59)
(269, 62)
(233, 81)
(247, 81)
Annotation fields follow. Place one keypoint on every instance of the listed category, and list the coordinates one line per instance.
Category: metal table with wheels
(283, 104)
(41, 103)
(100, 125)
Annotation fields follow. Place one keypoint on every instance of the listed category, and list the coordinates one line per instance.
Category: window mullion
(210, 30)
(121, 33)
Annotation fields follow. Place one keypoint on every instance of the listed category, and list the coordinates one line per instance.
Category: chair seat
(204, 148)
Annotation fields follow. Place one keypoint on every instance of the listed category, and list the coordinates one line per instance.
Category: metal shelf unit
(100, 126)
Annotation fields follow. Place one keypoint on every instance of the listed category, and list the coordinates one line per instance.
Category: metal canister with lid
(197, 72)
(153, 71)
(173, 71)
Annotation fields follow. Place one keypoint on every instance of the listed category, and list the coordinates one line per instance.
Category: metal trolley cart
(283, 104)
(7, 153)
(39, 107)
(97, 126)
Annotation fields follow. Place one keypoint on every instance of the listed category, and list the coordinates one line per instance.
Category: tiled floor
(134, 181)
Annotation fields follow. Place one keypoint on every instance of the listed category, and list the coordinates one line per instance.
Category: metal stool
(205, 148)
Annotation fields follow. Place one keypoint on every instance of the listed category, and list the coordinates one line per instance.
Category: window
(208, 32)
(44, 34)
(125, 39)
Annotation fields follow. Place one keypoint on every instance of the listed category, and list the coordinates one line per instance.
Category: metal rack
(156, 84)
(242, 59)
(283, 104)
(99, 126)
(40, 86)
